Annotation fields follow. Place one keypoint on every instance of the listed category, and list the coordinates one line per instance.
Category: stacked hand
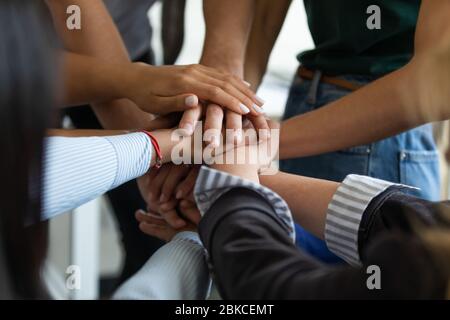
(189, 89)
(169, 190)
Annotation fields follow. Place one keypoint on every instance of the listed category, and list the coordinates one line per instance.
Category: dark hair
(27, 95)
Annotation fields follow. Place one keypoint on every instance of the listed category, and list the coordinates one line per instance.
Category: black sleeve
(396, 211)
(254, 258)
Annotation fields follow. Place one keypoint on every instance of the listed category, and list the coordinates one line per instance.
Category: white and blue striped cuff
(212, 184)
(345, 213)
(134, 154)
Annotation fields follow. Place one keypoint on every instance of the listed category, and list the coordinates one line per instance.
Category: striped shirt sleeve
(345, 213)
(211, 184)
(177, 271)
(77, 170)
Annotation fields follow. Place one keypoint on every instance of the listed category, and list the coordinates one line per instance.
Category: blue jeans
(410, 158)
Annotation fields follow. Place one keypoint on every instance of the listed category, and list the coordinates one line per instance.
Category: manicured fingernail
(248, 84)
(179, 194)
(188, 128)
(260, 101)
(258, 109)
(191, 101)
(244, 109)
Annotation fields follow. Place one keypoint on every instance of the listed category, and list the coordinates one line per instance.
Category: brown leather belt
(338, 82)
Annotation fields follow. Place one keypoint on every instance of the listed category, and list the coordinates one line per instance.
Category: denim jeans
(409, 158)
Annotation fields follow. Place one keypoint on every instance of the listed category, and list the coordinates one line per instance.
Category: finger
(173, 219)
(176, 103)
(157, 182)
(248, 105)
(164, 122)
(160, 232)
(185, 189)
(189, 120)
(190, 211)
(261, 126)
(177, 174)
(240, 84)
(209, 90)
(213, 124)
(234, 127)
(148, 217)
(167, 206)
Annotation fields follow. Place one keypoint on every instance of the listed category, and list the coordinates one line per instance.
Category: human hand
(157, 224)
(166, 89)
(215, 113)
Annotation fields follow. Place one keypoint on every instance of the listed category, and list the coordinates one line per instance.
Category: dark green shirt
(344, 44)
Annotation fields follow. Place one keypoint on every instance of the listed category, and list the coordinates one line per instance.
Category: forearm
(414, 95)
(240, 232)
(268, 21)
(379, 110)
(99, 38)
(77, 170)
(228, 26)
(307, 198)
(177, 271)
(89, 79)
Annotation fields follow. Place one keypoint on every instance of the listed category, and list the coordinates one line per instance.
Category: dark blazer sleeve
(397, 212)
(252, 257)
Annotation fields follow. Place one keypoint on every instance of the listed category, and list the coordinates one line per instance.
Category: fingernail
(140, 211)
(244, 109)
(150, 195)
(248, 84)
(188, 128)
(191, 101)
(162, 198)
(179, 194)
(258, 109)
(260, 101)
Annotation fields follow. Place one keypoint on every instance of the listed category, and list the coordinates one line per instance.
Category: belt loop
(312, 94)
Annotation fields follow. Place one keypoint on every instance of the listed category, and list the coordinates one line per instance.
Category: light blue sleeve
(78, 170)
(177, 271)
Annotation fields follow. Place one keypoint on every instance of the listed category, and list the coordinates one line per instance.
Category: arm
(307, 198)
(79, 169)
(98, 38)
(177, 271)
(409, 97)
(240, 231)
(228, 26)
(268, 21)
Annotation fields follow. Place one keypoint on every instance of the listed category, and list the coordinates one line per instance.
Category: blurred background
(88, 237)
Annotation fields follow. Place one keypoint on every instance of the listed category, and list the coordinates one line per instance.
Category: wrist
(131, 78)
(233, 65)
(244, 171)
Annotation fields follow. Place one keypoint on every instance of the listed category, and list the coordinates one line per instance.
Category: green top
(344, 43)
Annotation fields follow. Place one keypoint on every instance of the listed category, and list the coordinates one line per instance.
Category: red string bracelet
(155, 144)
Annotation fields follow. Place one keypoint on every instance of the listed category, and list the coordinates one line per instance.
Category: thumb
(177, 103)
